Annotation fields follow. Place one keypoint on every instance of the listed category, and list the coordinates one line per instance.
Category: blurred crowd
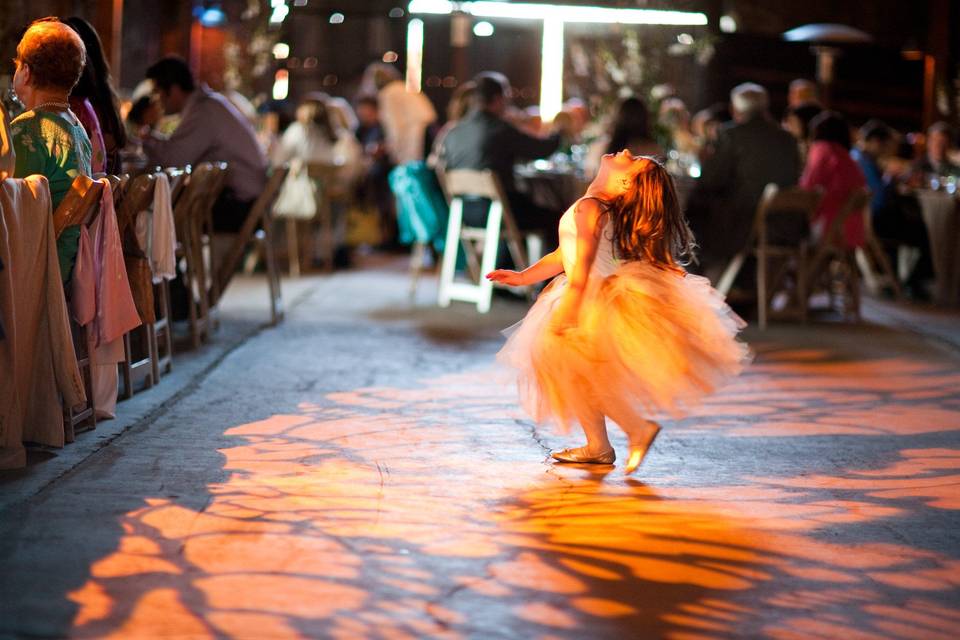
(725, 154)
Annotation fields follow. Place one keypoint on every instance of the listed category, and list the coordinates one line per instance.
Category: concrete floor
(361, 471)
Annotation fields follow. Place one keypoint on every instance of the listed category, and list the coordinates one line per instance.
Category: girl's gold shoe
(580, 455)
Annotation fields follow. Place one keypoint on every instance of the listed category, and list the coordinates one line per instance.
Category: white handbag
(297, 197)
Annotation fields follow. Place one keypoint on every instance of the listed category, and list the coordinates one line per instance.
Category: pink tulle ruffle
(648, 342)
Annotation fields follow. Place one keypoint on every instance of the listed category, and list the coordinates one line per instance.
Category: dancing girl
(622, 332)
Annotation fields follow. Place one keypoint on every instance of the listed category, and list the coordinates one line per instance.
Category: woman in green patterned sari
(48, 139)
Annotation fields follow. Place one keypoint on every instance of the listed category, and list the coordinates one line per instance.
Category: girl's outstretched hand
(507, 277)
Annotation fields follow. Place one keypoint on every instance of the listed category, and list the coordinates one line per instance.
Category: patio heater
(823, 39)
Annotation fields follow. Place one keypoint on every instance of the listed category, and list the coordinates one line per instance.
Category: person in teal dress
(48, 139)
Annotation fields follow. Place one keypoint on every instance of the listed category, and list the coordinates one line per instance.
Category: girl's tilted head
(645, 211)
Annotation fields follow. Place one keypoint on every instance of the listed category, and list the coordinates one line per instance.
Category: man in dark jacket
(484, 140)
(751, 152)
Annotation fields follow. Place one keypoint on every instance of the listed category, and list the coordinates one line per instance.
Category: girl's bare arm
(546, 267)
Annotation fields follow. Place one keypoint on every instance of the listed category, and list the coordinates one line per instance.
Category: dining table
(941, 215)
(550, 184)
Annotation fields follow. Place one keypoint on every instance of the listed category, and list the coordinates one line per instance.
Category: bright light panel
(414, 55)
(281, 51)
(551, 73)
(279, 13)
(565, 13)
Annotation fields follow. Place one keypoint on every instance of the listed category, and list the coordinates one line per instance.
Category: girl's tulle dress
(649, 341)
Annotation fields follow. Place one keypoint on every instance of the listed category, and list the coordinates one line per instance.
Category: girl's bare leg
(595, 428)
(640, 431)
(597, 450)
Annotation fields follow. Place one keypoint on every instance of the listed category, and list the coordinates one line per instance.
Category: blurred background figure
(674, 118)
(801, 92)
(629, 129)
(95, 92)
(341, 113)
(895, 214)
(751, 153)
(405, 116)
(484, 139)
(272, 120)
(831, 170)
(457, 109)
(318, 136)
(936, 161)
(797, 120)
(374, 187)
(210, 129)
(705, 126)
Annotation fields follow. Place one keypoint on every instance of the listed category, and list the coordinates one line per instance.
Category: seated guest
(830, 169)
(751, 152)
(210, 129)
(95, 88)
(877, 143)
(936, 161)
(485, 140)
(896, 217)
(457, 108)
(630, 129)
(48, 139)
(375, 187)
(317, 136)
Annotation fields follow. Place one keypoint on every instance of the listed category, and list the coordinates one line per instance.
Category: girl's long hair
(648, 224)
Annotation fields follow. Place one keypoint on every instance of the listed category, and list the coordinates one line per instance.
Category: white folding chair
(480, 244)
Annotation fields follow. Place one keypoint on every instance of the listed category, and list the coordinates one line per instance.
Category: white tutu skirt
(649, 342)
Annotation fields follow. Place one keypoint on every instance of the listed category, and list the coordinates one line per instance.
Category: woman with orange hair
(48, 139)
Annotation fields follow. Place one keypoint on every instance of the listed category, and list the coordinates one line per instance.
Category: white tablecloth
(941, 214)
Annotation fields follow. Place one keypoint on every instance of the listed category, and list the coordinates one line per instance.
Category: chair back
(329, 177)
(200, 191)
(137, 198)
(260, 214)
(790, 200)
(473, 183)
(857, 201)
(178, 179)
(79, 206)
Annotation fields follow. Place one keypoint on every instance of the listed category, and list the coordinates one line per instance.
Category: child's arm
(588, 214)
(546, 267)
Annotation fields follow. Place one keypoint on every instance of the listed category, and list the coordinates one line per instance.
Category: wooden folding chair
(834, 265)
(260, 215)
(875, 267)
(139, 344)
(163, 332)
(192, 215)
(480, 244)
(80, 206)
(792, 201)
(329, 194)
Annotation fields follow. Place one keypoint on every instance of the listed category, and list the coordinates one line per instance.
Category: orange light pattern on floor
(408, 513)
